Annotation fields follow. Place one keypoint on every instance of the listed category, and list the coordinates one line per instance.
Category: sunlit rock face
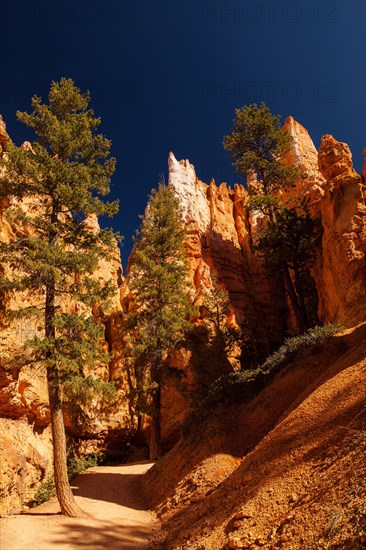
(337, 198)
(340, 273)
(192, 193)
(25, 461)
(218, 239)
(305, 156)
(334, 158)
(25, 440)
(3, 133)
(23, 401)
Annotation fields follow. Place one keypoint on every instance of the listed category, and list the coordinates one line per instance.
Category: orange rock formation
(220, 232)
(219, 235)
(340, 273)
(219, 242)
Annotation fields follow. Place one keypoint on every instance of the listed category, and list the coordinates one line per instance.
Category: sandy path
(109, 494)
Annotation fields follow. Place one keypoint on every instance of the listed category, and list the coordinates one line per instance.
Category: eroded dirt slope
(284, 469)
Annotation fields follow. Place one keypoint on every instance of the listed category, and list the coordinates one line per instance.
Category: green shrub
(246, 383)
(315, 335)
(76, 464)
(45, 491)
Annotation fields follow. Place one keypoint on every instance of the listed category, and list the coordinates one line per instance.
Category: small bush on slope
(314, 336)
(242, 384)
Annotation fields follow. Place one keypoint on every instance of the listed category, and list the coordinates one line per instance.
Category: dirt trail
(110, 495)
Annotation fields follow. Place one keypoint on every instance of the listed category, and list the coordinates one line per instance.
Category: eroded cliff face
(340, 272)
(219, 237)
(337, 199)
(25, 435)
(219, 249)
(220, 232)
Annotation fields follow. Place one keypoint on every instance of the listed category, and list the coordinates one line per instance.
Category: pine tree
(216, 312)
(54, 185)
(287, 245)
(259, 145)
(160, 309)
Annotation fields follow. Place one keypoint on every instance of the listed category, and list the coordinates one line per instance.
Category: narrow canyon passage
(110, 495)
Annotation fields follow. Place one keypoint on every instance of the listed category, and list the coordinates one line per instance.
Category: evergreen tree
(287, 245)
(216, 311)
(54, 185)
(259, 145)
(160, 309)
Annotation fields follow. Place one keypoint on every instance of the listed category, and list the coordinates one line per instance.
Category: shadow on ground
(102, 535)
(122, 489)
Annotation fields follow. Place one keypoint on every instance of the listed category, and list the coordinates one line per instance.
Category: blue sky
(168, 75)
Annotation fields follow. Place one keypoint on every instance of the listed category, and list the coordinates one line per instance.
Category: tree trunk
(64, 494)
(301, 297)
(155, 436)
(279, 299)
(294, 299)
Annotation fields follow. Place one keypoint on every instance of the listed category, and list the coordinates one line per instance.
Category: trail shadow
(44, 514)
(101, 535)
(120, 487)
(116, 488)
